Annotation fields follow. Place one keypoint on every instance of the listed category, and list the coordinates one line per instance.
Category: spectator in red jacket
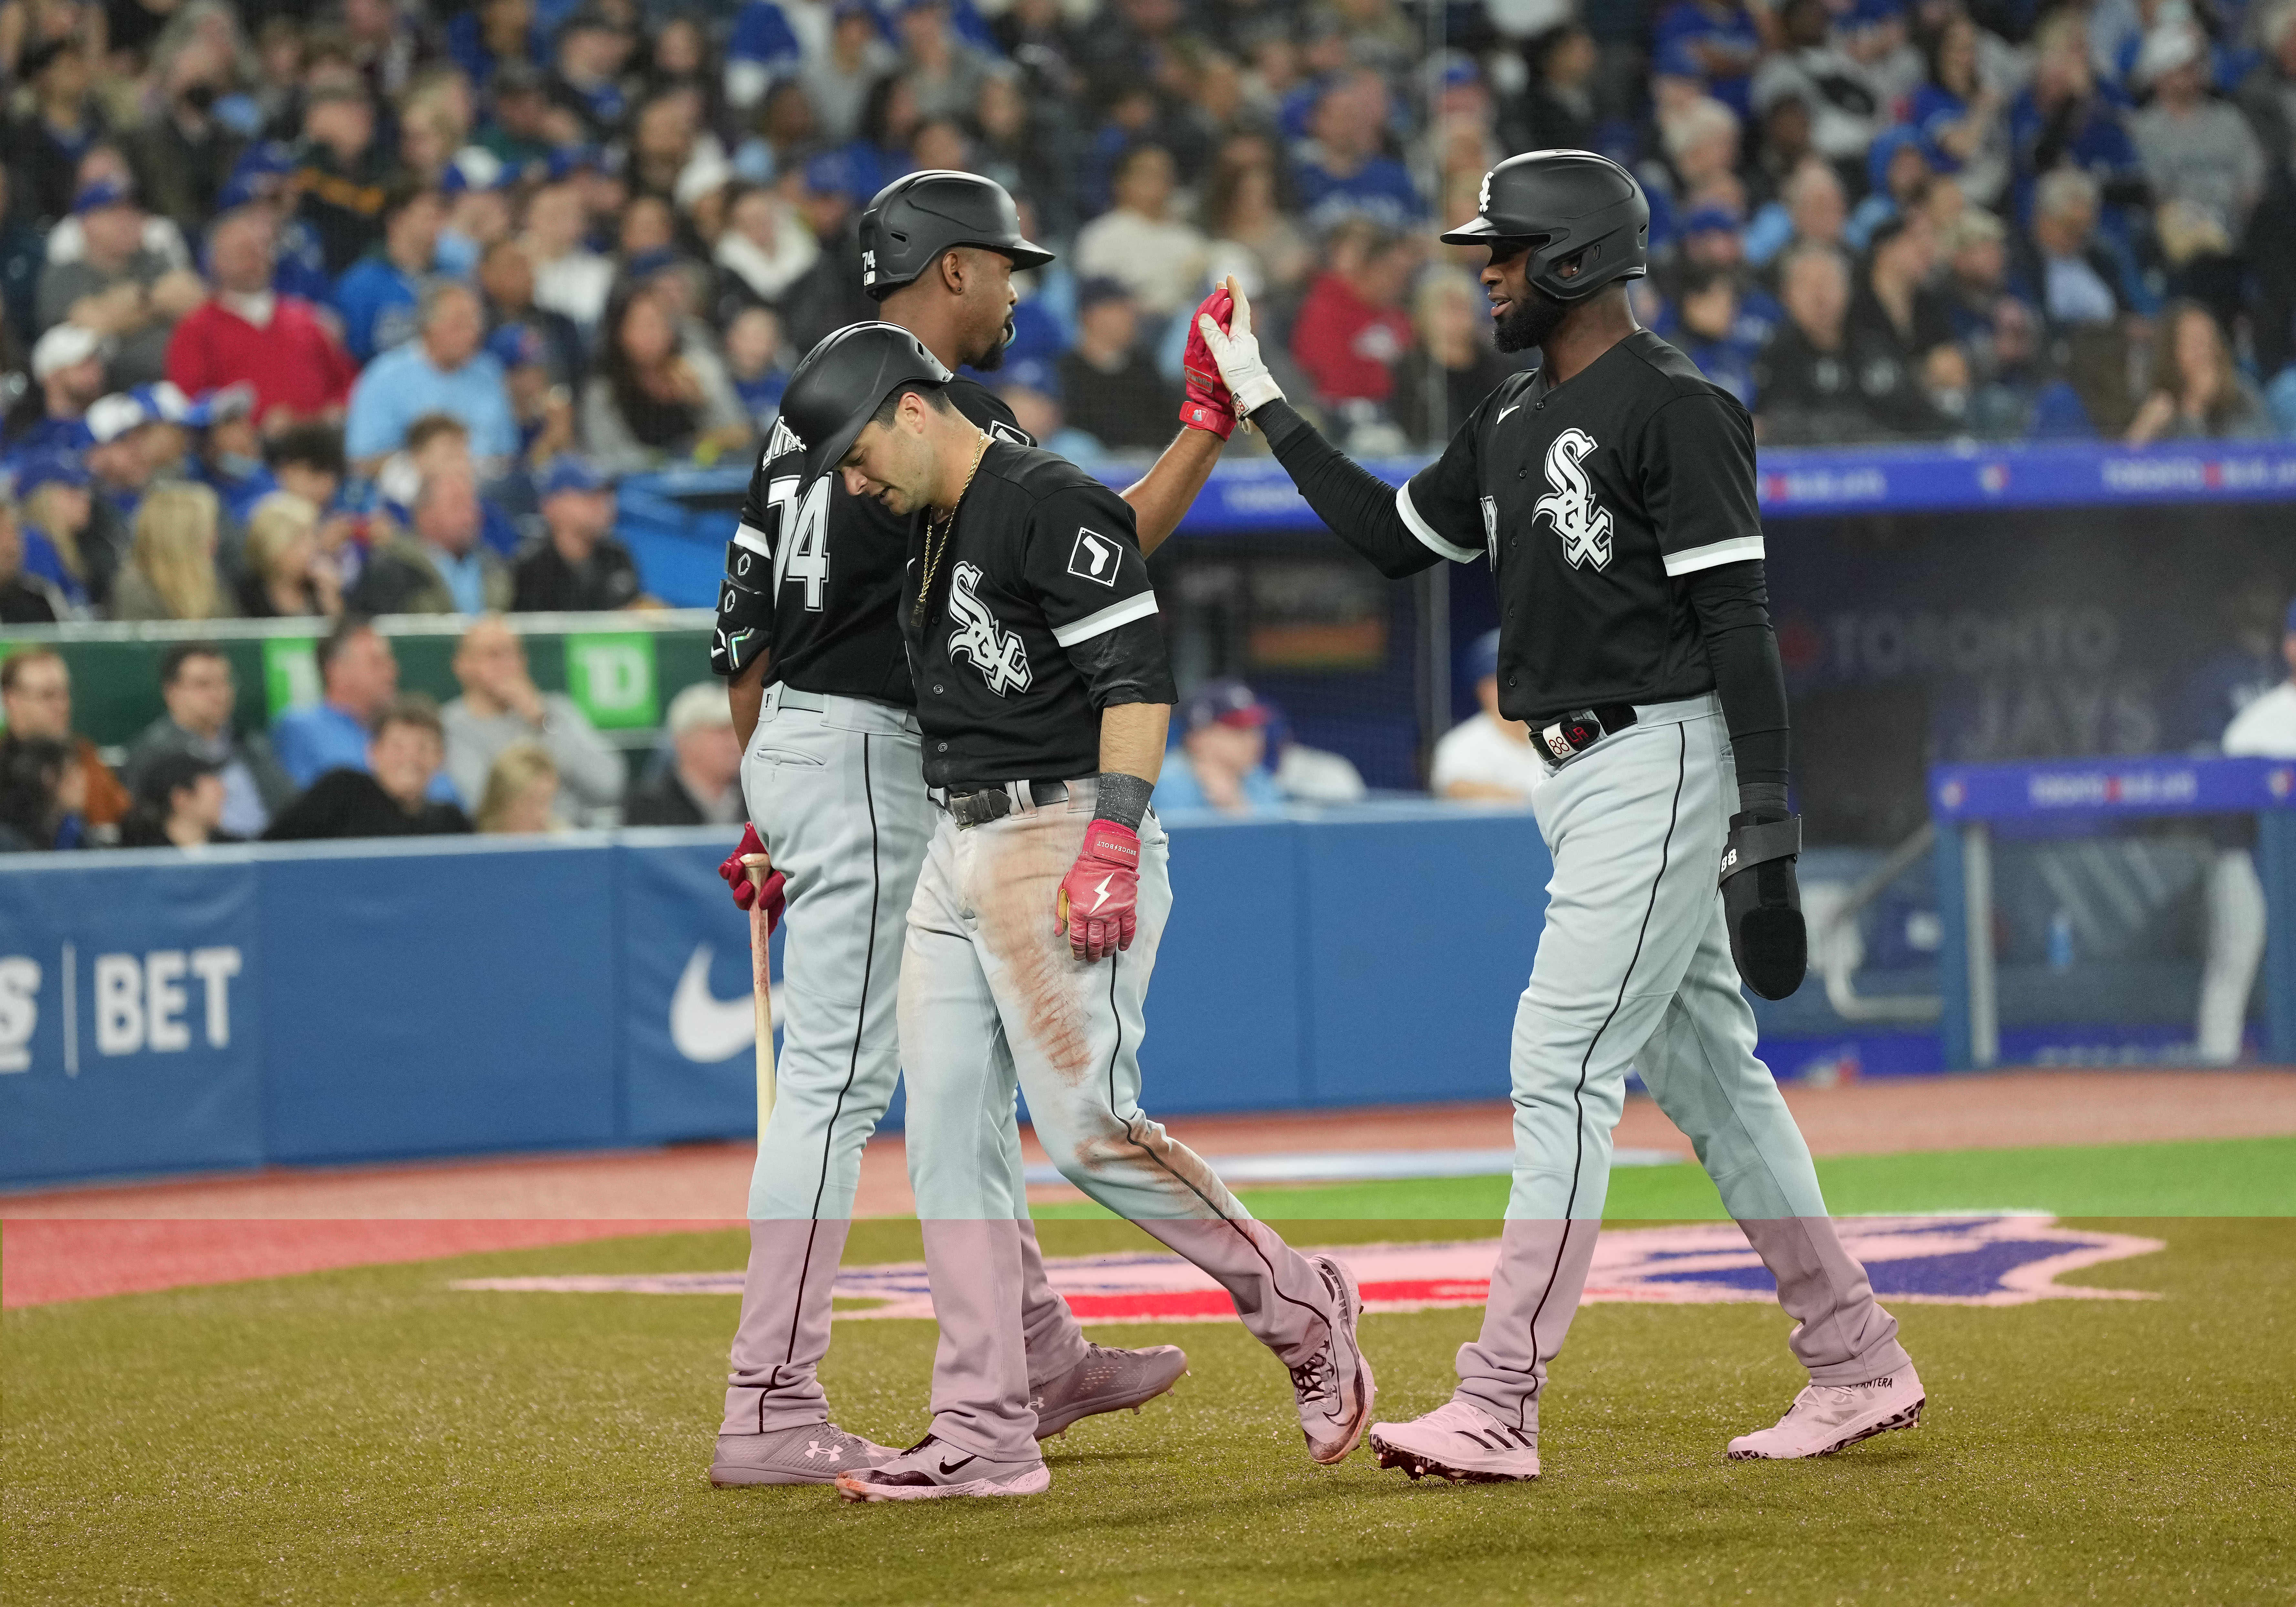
(246, 332)
(1352, 327)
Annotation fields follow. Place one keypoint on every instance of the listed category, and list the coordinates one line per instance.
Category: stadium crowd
(364, 308)
(363, 759)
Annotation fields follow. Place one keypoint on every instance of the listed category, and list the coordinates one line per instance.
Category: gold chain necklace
(935, 550)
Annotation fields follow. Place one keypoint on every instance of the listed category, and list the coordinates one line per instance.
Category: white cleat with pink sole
(1826, 1418)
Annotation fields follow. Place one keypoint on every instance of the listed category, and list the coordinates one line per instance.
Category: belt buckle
(979, 809)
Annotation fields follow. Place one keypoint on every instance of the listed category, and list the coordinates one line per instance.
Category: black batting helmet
(913, 220)
(845, 378)
(1563, 204)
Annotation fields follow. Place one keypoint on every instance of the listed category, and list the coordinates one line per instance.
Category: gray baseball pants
(1633, 969)
(837, 790)
(992, 1002)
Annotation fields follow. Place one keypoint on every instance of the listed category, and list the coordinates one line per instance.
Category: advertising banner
(131, 1039)
(441, 997)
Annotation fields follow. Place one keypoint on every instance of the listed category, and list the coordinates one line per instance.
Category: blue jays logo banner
(1977, 1260)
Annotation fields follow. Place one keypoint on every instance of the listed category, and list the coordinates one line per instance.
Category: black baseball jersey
(814, 573)
(1039, 614)
(1593, 501)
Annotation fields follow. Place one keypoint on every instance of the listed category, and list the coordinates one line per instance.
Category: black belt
(1574, 734)
(977, 803)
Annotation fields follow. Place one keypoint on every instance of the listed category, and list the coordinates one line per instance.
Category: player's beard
(1534, 316)
(992, 359)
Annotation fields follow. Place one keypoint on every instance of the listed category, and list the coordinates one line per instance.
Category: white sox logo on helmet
(999, 654)
(1583, 523)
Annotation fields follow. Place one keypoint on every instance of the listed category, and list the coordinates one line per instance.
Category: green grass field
(374, 1436)
(2206, 1177)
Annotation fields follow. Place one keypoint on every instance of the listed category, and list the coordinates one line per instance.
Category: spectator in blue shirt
(1707, 313)
(1220, 764)
(443, 370)
(763, 47)
(1712, 238)
(1961, 117)
(1342, 171)
(490, 35)
(1714, 41)
(2059, 121)
(1899, 171)
(593, 50)
(359, 676)
(54, 507)
(378, 297)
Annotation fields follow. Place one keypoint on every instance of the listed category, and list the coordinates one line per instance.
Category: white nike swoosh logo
(1510, 407)
(705, 1027)
(1100, 893)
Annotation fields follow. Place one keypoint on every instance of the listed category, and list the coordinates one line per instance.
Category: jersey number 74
(802, 552)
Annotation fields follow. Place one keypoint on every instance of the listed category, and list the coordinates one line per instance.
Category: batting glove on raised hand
(1236, 350)
(773, 892)
(1208, 404)
(1099, 897)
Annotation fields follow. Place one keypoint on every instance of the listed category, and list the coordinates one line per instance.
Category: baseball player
(1043, 695)
(1612, 491)
(822, 697)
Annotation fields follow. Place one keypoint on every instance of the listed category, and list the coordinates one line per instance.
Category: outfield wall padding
(336, 1003)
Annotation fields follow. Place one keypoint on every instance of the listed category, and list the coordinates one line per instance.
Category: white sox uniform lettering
(1583, 523)
(998, 654)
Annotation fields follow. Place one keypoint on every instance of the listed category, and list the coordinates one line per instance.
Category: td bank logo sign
(159, 1001)
(610, 674)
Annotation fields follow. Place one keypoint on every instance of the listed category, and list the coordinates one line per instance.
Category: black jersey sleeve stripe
(1732, 549)
(1138, 607)
(1426, 532)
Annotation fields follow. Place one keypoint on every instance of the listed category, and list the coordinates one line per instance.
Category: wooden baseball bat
(761, 962)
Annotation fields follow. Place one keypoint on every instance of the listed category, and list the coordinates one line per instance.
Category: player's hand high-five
(1236, 349)
(1208, 404)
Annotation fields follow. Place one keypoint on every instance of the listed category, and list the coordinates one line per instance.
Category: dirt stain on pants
(1013, 882)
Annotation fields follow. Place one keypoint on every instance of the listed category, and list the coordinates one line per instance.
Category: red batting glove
(746, 890)
(1099, 897)
(1208, 404)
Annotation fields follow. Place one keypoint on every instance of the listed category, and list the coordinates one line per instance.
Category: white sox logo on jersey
(1583, 523)
(996, 653)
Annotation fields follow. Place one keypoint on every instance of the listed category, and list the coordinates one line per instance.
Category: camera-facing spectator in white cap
(68, 367)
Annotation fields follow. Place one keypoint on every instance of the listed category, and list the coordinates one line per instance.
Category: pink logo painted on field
(1969, 1260)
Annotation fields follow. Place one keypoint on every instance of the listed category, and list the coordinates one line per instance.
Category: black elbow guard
(745, 612)
(1762, 903)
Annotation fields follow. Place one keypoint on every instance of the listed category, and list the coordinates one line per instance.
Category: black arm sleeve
(1732, 601)
(1358, 506)
(1127, 664)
